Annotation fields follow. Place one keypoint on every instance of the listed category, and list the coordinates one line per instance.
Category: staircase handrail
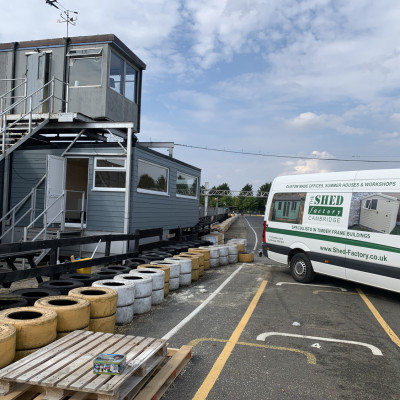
(17, 207)
(4, 95)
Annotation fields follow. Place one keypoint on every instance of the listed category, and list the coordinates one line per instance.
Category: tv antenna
(65, 14)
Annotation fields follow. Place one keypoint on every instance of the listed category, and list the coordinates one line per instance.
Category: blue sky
(311, 78)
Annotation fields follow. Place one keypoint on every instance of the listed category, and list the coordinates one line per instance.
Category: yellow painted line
(213, 375)
(379, 318)
(310, 357)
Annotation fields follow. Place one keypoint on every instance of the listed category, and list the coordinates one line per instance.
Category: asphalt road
(262, 336)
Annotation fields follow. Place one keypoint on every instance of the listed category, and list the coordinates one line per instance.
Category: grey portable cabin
(70, 159)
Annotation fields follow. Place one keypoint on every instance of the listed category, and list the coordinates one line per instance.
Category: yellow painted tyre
(207, 264)
(245, 257)
(23, 353)
(72, 312)
(105, 324)
(8, 342)
(198, 254)
(240, 246)
(62, 334)
(35, 326)
(103, 301)
(166, 288)
(201, 271)
(205, 252)
(164, 268)
(195, 274)
(195, 259)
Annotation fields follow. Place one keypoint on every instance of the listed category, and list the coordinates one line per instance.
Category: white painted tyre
(223, 251)
(224, 260)
(157, 296)
(214, 262)
(124, 315)
(174, 267)
(214, 252)
(142, 305)
(125, 289)
(186, 265)
(233, 258)
(185, 279)
(157, 275)
(143, 284)
(232, 250)
(174, 283)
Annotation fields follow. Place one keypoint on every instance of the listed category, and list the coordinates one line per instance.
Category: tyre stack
(103, 307)
(11, 301)
(195, 264)
(185, 270)
(206, 254)
(33, 294)
(73, 313)
(8, 342)
(158, 281)
(163, 267)
(119, 269)
(240, 243)
(233, 252)
(126, 291)
(174, 272)
(214, 256)
(86, 279)
(201, 261)
(223, 255)
(63, 285)
(35, 327)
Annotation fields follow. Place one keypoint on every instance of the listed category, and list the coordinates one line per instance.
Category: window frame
(187, 196)
(78, 54)
(148, 191)
(115, 169)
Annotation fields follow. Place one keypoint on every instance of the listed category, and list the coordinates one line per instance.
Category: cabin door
(76, 185)
(55, 188)
(38, 74)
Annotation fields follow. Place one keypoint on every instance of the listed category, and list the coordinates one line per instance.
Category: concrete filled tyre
(201, 250)
(103, 301)
(104, 324)
(214, 262)
(214, 252)
(157, 296)
(143, 284)
(185, 279)
(195, 259)
(33, 294)
(73, 313)
(11, 301)
(233, 258)
(301, 268)
(142, 305)
(106, 275)
(35, 326)
(126, 290)
(246, 257)
(223, 251)
(124, 315)
(174, 267)
(185, 264)
(161, 267)
(63, 285)
(174, 283)
(8, 342)
(223, 260)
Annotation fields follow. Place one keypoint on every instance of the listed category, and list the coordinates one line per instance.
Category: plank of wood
(83, 364)
(16, 392)
(15, 369)
(63, 355)
(160, 383)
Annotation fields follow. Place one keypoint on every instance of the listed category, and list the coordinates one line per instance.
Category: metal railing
(9, 94)
(27, 102)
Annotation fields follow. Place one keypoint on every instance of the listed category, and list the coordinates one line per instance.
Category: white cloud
(309, 166)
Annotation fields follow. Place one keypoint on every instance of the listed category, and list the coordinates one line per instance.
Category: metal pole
(206, 199)
(128, 187)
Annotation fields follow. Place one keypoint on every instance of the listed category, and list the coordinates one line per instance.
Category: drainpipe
(13, 69)
(128, 188)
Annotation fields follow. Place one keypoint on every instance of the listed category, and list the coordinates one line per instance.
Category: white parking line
(302, 284)
(375, 350)
(255, 234)
(200, 307)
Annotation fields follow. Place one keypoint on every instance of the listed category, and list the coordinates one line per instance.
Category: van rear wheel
(301, 268)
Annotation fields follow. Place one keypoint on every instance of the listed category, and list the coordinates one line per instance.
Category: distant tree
(147, 182)
(262, 201)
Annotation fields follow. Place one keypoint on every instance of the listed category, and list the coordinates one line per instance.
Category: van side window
(292, 210)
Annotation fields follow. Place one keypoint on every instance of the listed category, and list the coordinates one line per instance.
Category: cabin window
(85, 67)
(287, 207)
(371, 204)
(110, 174)
(186, 185)
(123, 77)
(152, 178)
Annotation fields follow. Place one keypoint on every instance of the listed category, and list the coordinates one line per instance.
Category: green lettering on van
(324, 210)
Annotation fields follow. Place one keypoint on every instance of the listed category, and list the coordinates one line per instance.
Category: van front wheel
(301, 268)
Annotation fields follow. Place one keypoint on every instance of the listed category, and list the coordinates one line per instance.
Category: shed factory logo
(326, 204)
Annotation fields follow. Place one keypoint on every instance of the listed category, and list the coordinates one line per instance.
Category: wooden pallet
(65, 368)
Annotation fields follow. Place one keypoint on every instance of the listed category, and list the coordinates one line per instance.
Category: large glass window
(152, 178)
(186, 185)
(110, 173)
(85, 71)
(123, 77)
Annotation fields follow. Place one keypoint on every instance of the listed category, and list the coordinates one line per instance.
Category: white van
(342, 224)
